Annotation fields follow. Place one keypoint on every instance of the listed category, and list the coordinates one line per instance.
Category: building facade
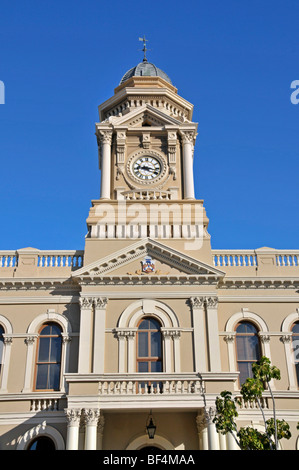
(149, 322)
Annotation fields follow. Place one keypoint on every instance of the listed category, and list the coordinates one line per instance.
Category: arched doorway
(43, 443)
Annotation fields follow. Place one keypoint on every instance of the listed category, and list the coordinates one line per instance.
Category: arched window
(48, 357)
(42, 443)
(149, 346)
(295, 344)
(1, 348)
(248, 349)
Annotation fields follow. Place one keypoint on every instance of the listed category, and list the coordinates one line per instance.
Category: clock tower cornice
(129, 98)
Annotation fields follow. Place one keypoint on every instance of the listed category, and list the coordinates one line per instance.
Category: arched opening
(48, 363)
(295, 346)
(43, 443)
(248, 349)
(1, 348)
(149, 349)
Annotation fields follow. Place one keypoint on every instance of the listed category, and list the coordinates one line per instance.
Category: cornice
(14, 283)
(229, 282)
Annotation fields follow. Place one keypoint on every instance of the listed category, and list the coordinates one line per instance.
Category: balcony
(142, 390)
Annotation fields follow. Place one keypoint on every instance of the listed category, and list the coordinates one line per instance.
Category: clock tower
(146, 140)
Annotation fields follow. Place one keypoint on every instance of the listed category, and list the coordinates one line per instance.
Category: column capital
(73, 416)
(188, 136)
(85, 302)
(197, 302)
(105, 136)
(100, 302)
(91, 416)
(211, 301)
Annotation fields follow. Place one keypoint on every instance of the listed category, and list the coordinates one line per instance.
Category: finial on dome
(144, 40)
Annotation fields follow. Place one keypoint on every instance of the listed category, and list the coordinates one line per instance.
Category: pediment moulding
(188, 267)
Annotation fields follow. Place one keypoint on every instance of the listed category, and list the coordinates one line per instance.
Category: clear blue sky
(234, 60)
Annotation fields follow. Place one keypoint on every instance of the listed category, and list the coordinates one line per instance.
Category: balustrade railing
(234, 258)
(247, 258)
(8, 259)
(46, 259)
(72, 259)
(146, 195)
(47, 404)
(145, 385)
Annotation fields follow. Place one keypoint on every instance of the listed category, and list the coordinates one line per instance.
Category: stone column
(231, 442)
(72, 439)
(30, 341)
(65, 354)
(101, 425)
(213, 334)
(105, 138)
(5, 362)
(167, 349)
(213, 437)
(122, 339)
(91, 417)
(85, 339)
(100, 304)
(132, 351)
(188, 178)
(176, 335)
(197, 305)
(202, 431)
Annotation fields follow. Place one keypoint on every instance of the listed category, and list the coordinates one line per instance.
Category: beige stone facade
(148, 256)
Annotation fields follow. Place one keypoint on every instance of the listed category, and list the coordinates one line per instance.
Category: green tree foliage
(249, 438)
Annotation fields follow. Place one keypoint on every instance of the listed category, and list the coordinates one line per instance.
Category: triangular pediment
(147, 258)
(145, 115)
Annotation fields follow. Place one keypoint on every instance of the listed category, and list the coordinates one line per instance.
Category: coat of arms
(148, 265)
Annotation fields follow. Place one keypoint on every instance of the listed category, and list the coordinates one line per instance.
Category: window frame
(149, 359)
(247, 335)
(37, 362)
(295, 361)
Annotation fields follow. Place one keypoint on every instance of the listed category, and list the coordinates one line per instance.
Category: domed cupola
(145, 69)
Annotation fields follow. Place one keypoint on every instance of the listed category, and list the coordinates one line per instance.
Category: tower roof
(145, 69)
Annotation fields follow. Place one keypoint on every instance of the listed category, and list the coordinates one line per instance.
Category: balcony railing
(45, 259)
(150, 384)
(249, 258)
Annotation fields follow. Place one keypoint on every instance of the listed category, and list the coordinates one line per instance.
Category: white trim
(128, 321)
(6, 352)
(289, 353)
(230, 326)
(143, 441)
(32, 332)
(41, 430)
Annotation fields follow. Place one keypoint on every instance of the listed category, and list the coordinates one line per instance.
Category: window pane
(142, 367)
(142, 344)
(42, 376)
(144, 325)
(295, 328)
(55, 330)
(155, 344)
(1, 349)
(245, 369)
(247, 348)
(46, 330)
(44, 346)
(55, 349)
(153, 324)
(54, 376)
(156, 366)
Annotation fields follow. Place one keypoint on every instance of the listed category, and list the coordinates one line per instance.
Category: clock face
(146, 168)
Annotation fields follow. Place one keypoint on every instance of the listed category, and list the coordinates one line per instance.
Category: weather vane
(144, 40)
